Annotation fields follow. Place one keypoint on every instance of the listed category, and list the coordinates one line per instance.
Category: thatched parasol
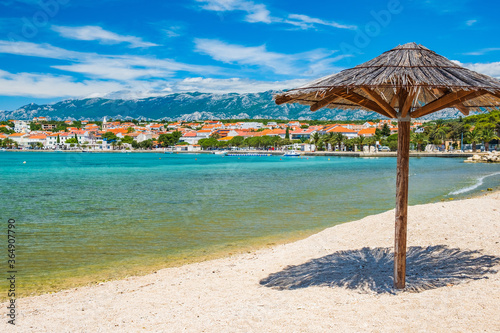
(406, 82)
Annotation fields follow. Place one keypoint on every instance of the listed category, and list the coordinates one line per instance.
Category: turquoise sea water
(91, 217)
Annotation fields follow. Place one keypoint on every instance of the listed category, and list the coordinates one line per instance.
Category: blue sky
(57, 49)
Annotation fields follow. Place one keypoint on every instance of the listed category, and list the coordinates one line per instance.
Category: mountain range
(191, 107)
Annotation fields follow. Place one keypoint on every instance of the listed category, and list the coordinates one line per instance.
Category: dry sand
(339, 281)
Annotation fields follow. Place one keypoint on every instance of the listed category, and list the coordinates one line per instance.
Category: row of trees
(260, 142)
(8, 143)
(481, 128)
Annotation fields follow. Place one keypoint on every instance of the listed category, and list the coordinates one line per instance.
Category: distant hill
(189, 107)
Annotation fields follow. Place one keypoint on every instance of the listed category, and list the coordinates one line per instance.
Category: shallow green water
(91, 217)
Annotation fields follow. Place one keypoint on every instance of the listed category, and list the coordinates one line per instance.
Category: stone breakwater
(491, 157)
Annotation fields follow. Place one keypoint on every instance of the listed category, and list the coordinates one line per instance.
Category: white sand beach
(338, 280)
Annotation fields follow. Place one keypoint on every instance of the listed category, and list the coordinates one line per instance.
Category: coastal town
(41, 133)
(110, 135)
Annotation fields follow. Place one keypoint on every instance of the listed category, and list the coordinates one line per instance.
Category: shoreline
(227, 294)
(271, 152)
(194, 256)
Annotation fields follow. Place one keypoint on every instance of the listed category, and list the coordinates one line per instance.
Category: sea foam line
(473, 187)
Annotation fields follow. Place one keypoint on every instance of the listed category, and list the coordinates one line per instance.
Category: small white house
(251, 125)
(190, 138)
(187, 148)
(21, 126)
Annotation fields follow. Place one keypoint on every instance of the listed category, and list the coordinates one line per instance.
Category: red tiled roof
(365, 131)
(340, 129)
(37, 136)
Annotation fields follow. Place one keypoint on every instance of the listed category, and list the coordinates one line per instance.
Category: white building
(19, 138)
(21, 126)
(34, 139)
(190, 137)
(51, 141)
(187, 148)
(251, 125)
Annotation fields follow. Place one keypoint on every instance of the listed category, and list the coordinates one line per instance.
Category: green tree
(474, 137)
(9, 143)
(488, 135)
(386, 130)
(35, 127)
(6, 130)
(130, 130)
(338, 140)
(176, 137)
(349, 143)
(456, 130)
(315, 138)
(128, 139)
(208, 143)
(287, 133)
(146, 144)
(328, 138)
(169, 139)
(236, 141)
(109, 136)
(419, 139)
(360, 140)
(8, 123)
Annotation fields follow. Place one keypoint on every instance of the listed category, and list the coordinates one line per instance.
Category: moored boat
(291, 153)
(219, 152)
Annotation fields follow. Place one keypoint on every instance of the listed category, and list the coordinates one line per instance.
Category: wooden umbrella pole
(401, 201)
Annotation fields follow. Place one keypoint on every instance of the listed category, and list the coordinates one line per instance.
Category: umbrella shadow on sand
(370, 270)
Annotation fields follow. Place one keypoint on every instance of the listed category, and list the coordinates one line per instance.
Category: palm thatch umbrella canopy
(409, 81)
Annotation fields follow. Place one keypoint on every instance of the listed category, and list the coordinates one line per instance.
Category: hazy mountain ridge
(189, 107)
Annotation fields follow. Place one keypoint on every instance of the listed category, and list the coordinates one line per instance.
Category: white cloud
(306, 22)
(96, 33)
(50, 86)
(483, 51)
(491, 69)
(255, 12)
(314, 62)
(237, 85)
(208, 85)
(470, 22)
(259, 13)
(132, 67)
(37, 50)
(173, 31)
(115, 67)
(112, 69)
(53, 86)
(230, 53)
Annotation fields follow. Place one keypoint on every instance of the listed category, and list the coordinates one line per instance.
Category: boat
(219, 152)
(291, 153)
